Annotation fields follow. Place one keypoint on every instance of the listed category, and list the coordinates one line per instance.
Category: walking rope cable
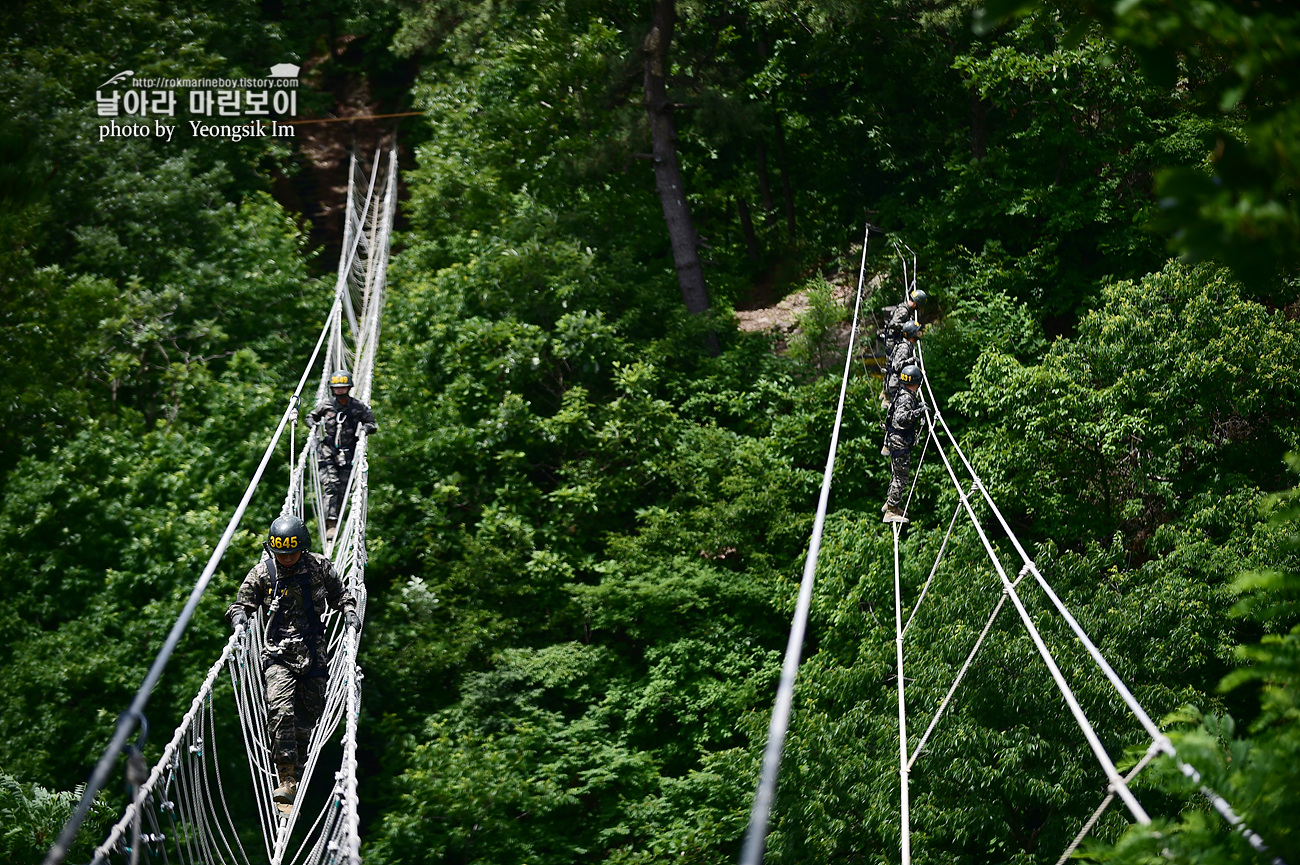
(756, 832)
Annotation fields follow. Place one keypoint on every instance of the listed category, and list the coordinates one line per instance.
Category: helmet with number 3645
(288, 535)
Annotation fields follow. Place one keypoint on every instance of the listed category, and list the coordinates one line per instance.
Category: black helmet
(920, 297)
(911, 330)
(288, 535)
(341, 378)
(910, 374)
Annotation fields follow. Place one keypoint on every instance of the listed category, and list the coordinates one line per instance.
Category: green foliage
(105, 539)
(586, 533)
(981, 317)
(34, 815)
(1235, 66)
(1159, 398)
(818, 325)
(1256, 770)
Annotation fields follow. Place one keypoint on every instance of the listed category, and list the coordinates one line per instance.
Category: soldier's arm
(899, 316)
(251, 592)
(910, 416)
(368, 421)
(317, 413)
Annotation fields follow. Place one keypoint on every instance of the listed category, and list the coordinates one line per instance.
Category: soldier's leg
(329, 481)
(280, 689)
(344, 472)
(899, 462)
(308, 707)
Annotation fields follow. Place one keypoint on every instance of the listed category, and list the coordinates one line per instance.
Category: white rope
(1158, 737)
(1076, 710)
(961, 674)
(1150, 755)
(937, 559)
(119, 829)
(903, 763)
(756, 832)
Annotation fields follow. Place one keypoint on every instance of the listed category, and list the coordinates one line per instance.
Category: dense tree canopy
(588, 527)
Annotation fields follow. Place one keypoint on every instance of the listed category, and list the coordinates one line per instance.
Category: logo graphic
(116, 78)
(257, 105)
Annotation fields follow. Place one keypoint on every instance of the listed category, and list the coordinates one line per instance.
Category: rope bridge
(752, 852)
(179, 809)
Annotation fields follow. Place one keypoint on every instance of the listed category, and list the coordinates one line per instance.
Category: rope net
(180, 811)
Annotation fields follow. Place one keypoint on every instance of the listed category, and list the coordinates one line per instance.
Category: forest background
(590, 503)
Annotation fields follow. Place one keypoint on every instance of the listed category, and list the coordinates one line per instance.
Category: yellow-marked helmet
(920, 297)
(288, 535)
(911, 330)
(341, 378)
(910, 374)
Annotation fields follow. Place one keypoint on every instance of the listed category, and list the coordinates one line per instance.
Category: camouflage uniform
(295, 659)
(905, 413)
(339, 439)
(903, 354)
(894, 327)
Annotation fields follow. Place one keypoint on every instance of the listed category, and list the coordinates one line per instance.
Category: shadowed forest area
(591, 493)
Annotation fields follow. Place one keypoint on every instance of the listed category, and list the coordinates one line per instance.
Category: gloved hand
(370, 429)
(352, 620)
(238, 618)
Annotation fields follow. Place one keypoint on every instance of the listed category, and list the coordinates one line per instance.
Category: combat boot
(288, 789)
(330, 528)
(894, 514)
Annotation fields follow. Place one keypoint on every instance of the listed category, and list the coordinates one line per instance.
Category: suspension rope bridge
(179, 807)
(752, 851)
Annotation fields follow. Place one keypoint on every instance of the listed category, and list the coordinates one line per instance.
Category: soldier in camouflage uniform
(893, 331)
(904, 353)
(295, 588)
(339, 418)
(906, 413)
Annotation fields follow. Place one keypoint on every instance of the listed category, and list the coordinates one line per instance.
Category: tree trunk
(785, 178)
(746, 223)
(668, 174)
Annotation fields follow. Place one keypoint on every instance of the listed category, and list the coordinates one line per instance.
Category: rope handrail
(961, 674)
(145, 789)
(1090, 735)
(904, 765)
(934, 569)
(765, 794)
(1158, 737)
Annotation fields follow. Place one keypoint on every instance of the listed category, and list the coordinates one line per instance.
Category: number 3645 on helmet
(288, 535)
